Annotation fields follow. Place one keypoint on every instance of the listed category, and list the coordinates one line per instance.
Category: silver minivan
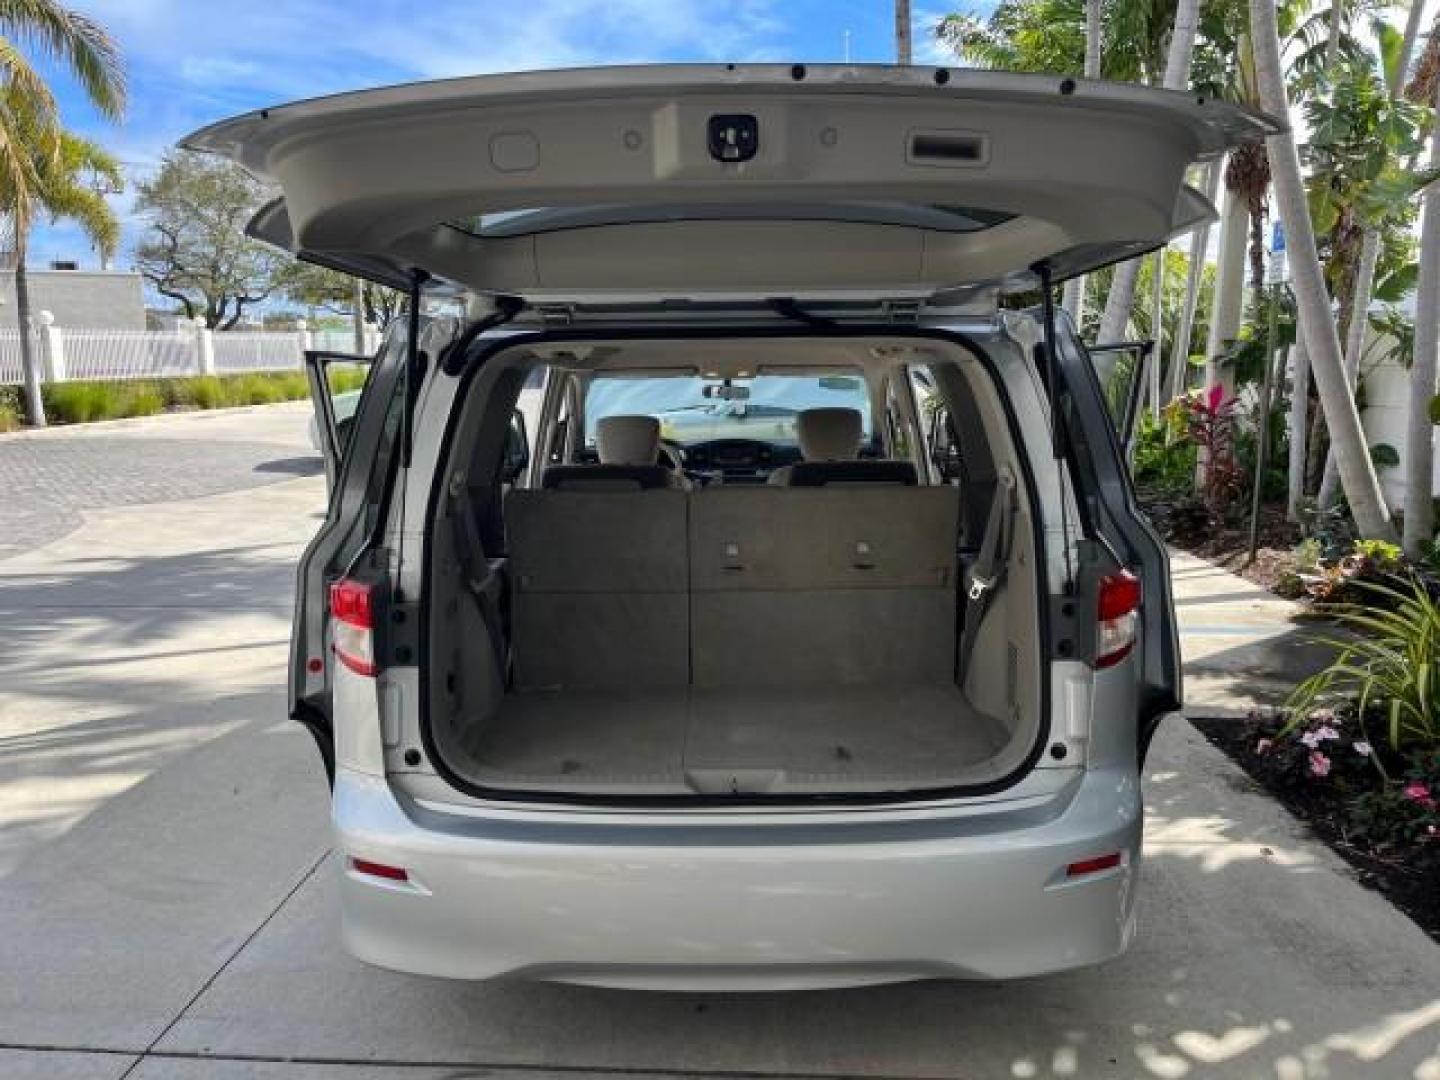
(801, 629)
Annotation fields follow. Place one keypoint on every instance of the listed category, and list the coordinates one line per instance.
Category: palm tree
(63, 186)
(1420, 427)
(34, 153)
(1357, 473)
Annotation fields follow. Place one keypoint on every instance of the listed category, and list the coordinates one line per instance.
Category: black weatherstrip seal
(473, 361)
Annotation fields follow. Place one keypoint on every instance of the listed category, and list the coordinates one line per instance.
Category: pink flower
(1324, 733)
(1418, 792)
(1263, 746)
(1319, 764)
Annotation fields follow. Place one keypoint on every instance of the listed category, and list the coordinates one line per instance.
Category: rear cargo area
(729, 640)
(727, 741)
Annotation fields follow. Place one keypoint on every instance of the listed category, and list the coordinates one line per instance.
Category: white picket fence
(66, 355)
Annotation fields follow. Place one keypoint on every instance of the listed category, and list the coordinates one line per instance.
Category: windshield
(694, 410)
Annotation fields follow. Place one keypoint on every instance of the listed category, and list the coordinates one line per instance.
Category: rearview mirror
(726, 392)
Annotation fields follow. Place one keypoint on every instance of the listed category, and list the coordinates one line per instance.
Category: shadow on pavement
(296, 466)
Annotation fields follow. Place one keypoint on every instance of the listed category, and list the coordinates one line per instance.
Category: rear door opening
(739, 637)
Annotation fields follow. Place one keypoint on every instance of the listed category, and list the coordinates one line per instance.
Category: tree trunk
(1299, 406)
(1177, 77)
(1419, 428)
(1118, 303)
(29, 362)
(1182, 45)
(1332, 43)
(357, 316)
(1395, 80)
(1357, 473)
(1229, 286)
(1354, 343)
(902, 31)
(1157, 331)
(1194, 278)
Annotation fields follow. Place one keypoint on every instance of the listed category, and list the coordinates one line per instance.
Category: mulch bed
(1226, 541)
(1407, 875)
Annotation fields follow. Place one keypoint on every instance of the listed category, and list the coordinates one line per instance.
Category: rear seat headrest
(628, 440)
(829, 434)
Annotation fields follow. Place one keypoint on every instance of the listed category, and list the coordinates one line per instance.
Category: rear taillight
(1093, 866)
(352, 625)
(1117, 618)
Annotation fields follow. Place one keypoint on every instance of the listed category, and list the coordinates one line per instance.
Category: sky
(191, 62)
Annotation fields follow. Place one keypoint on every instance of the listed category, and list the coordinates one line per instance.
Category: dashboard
(737, 461)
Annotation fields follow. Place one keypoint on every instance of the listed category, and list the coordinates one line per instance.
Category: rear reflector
(380, 870)
(1093, 866)
(1117, 617)
(352, 625)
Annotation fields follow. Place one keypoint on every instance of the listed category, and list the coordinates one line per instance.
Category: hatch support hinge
(901, 311)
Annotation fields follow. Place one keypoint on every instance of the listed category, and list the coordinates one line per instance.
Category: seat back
(842, 473)
(823, 586)
(606, 477)
(599, 589)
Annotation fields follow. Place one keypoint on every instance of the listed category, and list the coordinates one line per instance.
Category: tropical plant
(1050, 36)
(1209, 417)
(39, 164)
(1389, 668)
(1362, 186)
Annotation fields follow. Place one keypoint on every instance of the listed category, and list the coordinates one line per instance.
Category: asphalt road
(166, 881)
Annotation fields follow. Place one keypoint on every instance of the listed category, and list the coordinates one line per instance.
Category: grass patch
(83, 402)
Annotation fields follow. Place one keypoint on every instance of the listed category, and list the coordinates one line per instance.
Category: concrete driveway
(166, 884)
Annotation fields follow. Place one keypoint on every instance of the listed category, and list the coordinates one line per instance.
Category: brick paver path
(46, 483)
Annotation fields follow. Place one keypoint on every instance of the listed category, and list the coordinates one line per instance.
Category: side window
(516, 457)
(1121, 371)
(942, 443)
(338, 384)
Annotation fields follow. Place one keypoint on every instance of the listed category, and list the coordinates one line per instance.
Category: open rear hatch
(731, 181)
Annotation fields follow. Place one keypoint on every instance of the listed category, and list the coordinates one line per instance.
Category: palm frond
(79, 41)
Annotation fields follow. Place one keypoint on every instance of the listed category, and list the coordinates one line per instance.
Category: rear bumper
(760, 907)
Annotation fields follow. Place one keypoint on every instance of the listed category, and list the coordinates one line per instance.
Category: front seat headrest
(628, 440)
(829, 434)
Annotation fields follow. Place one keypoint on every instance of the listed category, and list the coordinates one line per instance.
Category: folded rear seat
(600, 589)
(822, 586)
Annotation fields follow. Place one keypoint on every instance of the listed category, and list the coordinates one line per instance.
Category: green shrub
(346, 377)
(1404, 811)
(1389, 670)
(144, 399)
(83, 401)
(1164, 455)
(205, 392)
